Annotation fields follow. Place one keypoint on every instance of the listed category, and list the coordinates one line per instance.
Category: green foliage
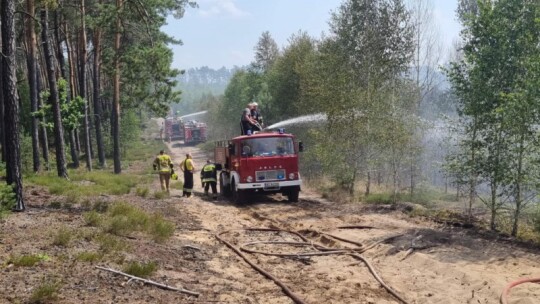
(45, 293)
(496, 82)
(142, 270)
(72, 111)
(88, 256)
(27, 260)
(7, 198)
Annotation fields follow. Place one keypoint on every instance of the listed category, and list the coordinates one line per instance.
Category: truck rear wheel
(239, 196)
(293, 195)
(223, 189)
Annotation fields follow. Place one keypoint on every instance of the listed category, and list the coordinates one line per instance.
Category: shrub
(160, 194)
(7, 199)
(46, 292)
(142, 192)
(161, 229)
(92, 218)
(141, 270)
(109, 243)
(62, 237)
(100, 206)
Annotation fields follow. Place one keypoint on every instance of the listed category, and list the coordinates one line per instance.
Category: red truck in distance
(190, 131)
(262, 163)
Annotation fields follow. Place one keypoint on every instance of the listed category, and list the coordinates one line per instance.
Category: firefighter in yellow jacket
(209, 178)
(188, 167)
(163, 164)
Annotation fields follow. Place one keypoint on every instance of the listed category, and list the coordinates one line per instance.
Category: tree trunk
(44, 134)
(368, 184)
(517, 186)
(32, 81)
(11, 104)
(472, 177)
(2, 116)
(54, 100)
(116, 93)
(82, 85)
(96, 97)
(70, 88)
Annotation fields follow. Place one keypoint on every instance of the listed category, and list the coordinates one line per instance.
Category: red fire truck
(263, 163)
(190, 131)
(194, 132)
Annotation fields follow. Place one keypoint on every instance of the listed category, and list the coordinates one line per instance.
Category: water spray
(193, 114)
(299, 120)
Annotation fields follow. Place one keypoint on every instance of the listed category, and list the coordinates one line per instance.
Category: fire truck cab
(262, 163)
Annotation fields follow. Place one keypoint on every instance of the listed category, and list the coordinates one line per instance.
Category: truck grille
(270, 175)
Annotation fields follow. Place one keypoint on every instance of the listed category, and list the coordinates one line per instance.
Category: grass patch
(160, 229)
(178, 185)
(379, 198)
(62, 237)
(46, 292)
(142, 191)
(92, 218)
(28, 260)
(85, 183)
(123, 219)
(142, 150)
(88, 256)
(142, 270)
(160, 194)
(100, 206)
(109, 243)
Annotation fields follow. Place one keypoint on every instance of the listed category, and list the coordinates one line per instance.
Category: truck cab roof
(263, 134)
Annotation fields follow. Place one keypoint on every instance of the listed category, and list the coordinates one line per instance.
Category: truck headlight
(249, 179)
(292, 175)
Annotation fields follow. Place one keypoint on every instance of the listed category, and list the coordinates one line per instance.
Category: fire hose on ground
(506, 290)
(319, 250)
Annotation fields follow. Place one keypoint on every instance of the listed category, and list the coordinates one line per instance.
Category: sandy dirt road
(425, 262)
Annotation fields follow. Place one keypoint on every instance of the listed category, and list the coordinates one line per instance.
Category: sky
(223, 33)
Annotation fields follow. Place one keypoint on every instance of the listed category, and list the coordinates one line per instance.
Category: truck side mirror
(231, 149)
(300, 146)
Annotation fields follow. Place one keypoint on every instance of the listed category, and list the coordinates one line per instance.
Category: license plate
(271, 185)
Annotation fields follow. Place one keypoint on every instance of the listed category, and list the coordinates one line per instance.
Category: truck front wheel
(239, 196)
(293, 195)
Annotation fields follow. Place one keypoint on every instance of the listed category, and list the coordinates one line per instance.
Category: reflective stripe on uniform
(211, 179)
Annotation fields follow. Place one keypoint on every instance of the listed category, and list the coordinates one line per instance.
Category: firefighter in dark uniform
(188, 167)
(247, 123)
(256, 116)
(209, 178)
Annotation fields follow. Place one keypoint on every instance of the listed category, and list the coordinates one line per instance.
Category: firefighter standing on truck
(163, 164)
(188, 167)
(209, 178)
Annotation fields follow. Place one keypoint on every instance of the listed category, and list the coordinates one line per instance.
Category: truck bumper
(270, 186)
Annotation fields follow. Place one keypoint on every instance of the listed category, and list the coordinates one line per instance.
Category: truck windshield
(267, 146)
